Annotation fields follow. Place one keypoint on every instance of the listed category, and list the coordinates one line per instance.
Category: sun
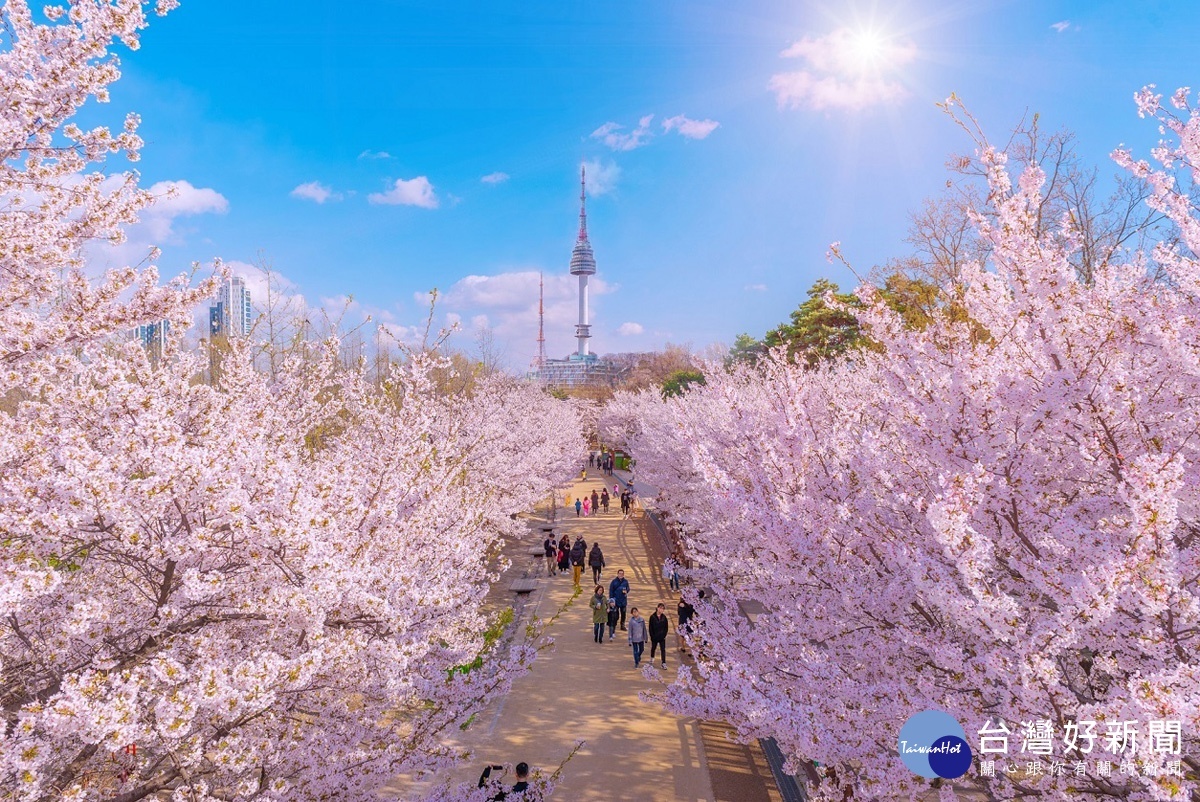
(865, 51)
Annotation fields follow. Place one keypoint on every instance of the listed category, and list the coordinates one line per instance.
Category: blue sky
(347, 145)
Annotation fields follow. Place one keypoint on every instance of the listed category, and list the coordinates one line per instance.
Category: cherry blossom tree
(265, 587)
(993, 516)
(51, 206)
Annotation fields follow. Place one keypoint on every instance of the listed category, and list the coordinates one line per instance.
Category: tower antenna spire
(583, 202)
(541, 338)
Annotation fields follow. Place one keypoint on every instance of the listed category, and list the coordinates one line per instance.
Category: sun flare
(866, 51)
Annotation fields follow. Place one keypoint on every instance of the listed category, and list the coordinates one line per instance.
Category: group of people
(562, 554)
(588, 505)
(565, 554)
(609, 612)
(602, 461)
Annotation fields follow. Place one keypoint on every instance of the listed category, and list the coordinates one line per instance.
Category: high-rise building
(154, 336)
(581, 367)
(231, 314)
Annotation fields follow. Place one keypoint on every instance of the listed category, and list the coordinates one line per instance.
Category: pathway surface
(579, 691)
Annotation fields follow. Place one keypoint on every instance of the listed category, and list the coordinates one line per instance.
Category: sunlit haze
(378, 156)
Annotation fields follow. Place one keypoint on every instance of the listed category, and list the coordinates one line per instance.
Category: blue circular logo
(933, 744)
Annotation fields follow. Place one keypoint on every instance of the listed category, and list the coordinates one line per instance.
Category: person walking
(618, 590)
(599, 605)
(624, 503)
(686, 611)
(596, 561)
(550, 547)
(604, 500)
(613, 615)
(578, 556)
(658, 627)
(578, 507)
(637, 635)
(591, 459)
(587, 506)
(671, 572)
(564, 554)
(595, 502)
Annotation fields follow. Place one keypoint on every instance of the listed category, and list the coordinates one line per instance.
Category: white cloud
(412, 192)
(374, 154)
(1061, 26)
(158, 224)
(404, 335)
(630, 329)
(495, 178)
(613, 134)
(601, 177)
(178, 198)
(689, 128)
(315, 191)
(755, 287)
(845, 69)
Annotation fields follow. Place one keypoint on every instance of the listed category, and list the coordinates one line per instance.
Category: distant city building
(154, 336)
(582, 367)
(231, 314)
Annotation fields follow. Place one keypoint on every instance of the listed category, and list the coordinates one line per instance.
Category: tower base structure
(577, 371)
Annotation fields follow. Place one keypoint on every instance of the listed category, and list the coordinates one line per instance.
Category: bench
(523, 585)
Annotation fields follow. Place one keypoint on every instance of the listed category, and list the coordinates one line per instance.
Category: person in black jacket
(596, 561)
(613, 615)
(522, 772)
(564, 554)
(522, 783)
(578, 558)
(658, 627)
(686, 611)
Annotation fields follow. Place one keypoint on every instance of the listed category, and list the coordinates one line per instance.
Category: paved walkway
(580, 691)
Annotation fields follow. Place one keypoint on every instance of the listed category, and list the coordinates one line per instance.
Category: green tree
(745, 351)
(819, 331)
(678, 382)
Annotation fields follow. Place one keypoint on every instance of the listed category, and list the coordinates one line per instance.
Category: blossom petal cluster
(994, 514)
(222, 584)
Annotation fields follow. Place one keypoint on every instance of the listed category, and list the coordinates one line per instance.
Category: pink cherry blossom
(997, 525)
(266, 587)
